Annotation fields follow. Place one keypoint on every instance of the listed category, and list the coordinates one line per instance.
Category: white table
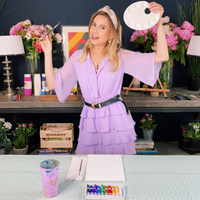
(147, 177)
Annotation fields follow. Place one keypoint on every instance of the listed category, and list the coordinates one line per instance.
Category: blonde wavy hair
(112, 47)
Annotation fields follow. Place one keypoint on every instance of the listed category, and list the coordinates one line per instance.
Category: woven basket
(21, 151)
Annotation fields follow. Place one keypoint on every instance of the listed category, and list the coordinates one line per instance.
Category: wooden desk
(147, 177)
(136, 101)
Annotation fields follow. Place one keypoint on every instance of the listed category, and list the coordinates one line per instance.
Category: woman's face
(100, 31)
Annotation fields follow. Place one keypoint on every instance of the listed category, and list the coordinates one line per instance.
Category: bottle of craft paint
(44, 82)
(37, 84)
(27, 85)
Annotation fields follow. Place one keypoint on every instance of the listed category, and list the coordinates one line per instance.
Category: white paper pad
(105, 168)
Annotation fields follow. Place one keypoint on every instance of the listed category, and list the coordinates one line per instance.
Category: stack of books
(145, 146)
(55, 151)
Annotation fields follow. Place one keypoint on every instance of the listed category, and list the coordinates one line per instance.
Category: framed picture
(74, 38)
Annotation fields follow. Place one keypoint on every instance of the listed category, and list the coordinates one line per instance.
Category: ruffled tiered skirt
(107, 130)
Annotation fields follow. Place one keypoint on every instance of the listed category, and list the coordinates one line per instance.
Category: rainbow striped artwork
(76, 41)
(74, 38)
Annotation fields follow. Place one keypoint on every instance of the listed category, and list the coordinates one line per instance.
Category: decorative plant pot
(193, 83)
(23, 151)
(184, 143)
(2, 150)
(195, 143)
(148, 135)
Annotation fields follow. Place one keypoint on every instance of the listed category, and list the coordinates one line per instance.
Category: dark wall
(78, 12)
(73, 12)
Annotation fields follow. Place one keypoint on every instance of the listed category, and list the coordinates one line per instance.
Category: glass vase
(166, 73)
(32, 65)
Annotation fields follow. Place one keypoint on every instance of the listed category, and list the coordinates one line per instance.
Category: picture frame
(74, 38)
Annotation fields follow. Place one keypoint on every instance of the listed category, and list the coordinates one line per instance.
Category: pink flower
(16, 128)
(30, 125)
(143, 120)
(149, 119)
(186, 25)
(20, 125)
(177, 30)
(173, 47)
(24, 23)
(186, 46)
(184, 130)
(147, 115)
(186, 34)
(24, 125)
(151, 116)
(171, 40)
(59, 38)
(165, 19)
(174, 25)
(38, 46)
(16, 29)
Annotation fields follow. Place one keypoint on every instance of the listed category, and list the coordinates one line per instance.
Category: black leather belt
(109, 101)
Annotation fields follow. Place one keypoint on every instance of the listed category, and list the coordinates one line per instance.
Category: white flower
(194, 127)
(2, 120)
(165, 19)
(28, 35)
(49, 27)
(190, 124)
(37, 33)
(8, 125)
(197, 129)
(166, 29)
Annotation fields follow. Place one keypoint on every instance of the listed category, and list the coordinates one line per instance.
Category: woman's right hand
(46, 43)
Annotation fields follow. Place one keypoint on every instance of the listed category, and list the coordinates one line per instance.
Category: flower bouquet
(177, 40)
(30, 36)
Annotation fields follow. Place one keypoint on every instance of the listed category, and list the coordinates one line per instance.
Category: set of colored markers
(104, 191)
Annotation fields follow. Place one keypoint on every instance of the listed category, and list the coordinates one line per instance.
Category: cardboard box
(57, 135)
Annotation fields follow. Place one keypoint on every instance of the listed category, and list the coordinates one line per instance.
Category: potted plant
(191, 14)
(22, 134)
(4, 140)
(192, 133)
(148, 125)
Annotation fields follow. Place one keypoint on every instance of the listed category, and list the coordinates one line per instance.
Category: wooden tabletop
(136, 101)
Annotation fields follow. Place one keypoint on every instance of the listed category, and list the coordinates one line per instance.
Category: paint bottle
(27, 85)
(37, 84)
(44, 82)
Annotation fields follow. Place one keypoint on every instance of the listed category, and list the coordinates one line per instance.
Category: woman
(105, 126)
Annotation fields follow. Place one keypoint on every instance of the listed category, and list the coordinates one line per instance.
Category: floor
(163, 148)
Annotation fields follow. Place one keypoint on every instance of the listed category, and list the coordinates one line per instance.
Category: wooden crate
(71, 97)
(57, 135)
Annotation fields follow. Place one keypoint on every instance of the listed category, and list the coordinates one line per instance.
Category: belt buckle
(93, 105)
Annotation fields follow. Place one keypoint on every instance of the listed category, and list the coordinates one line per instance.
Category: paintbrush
(50, 31)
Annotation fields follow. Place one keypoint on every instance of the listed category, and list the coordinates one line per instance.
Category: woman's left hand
(156, 8)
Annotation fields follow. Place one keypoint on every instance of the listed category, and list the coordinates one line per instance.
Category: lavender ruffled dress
(106, 130)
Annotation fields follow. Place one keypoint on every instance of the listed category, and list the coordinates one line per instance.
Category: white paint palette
(136, 18)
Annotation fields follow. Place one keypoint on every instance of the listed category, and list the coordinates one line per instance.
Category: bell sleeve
(141, 66)
(65, 79)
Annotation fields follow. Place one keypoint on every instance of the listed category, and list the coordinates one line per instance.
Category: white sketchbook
(105, 168)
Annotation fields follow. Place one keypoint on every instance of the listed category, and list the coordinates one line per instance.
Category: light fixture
(194, 46)
(10, 45)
